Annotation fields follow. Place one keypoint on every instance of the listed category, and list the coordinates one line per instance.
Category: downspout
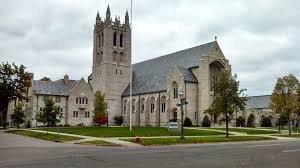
(185, 99)
(139, 109)
(159, 109)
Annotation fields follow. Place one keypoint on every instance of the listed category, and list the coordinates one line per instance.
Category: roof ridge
(175, 52)
(259, 96)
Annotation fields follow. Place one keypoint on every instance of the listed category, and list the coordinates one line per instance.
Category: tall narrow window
(115, 38)
(124, 107)
(163, 104)
(99, 40)
(122, 58)
(152, 106)
(133, 106)
(175, 90)
(102, 39)
(114, 56)
(121, 40)
(142, 105)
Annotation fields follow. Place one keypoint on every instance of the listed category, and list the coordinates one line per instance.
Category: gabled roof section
(187, 74)
(57, 88)
(151, 75)
(258, 102)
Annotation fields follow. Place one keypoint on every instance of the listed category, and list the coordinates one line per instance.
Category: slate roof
(151, 76)
(58, 87)
(258, 102)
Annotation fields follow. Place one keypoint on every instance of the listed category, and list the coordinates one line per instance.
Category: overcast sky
(261, 38)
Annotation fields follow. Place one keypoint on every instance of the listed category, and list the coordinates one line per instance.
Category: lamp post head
(181, 95)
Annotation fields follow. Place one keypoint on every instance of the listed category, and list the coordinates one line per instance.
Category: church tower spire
(126, 18)
(108, 13)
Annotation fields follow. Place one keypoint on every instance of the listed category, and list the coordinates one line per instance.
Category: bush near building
(119, 120)
(266, 122)
(250, 121)
(187, 122)
(206, 121)
(240, 121)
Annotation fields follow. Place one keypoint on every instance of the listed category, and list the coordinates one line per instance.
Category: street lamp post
(182, 102)
(278, 121)
(107, 117)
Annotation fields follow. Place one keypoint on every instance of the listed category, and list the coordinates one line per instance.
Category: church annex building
(156, 82)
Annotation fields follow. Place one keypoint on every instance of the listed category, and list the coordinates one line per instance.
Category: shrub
(240, 121)
(28, 124)
(187, 122)
(250, 121)
(67, 125)
(266, 122)
(206, 121)
(100, 120)
(119, 120)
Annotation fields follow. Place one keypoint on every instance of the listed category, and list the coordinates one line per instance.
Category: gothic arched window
(122, 59)
(121, 40)
(102, 39)
(152, 105)
(101, 57)
(133, 106)
(175, 90)
(142, 105)
(115, 38)
(99, 40)
(114, 56)
(163, 104)
(124, 106)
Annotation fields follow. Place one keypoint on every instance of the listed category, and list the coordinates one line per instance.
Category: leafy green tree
(49, 115)
(18, 117)
(227, 96)
(284, 99)
(14, 83)
(100, 107)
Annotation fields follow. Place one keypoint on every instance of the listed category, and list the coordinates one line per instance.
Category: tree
(206, 121)
(227, 96)
(14, 83)
(49, 114)
(100, 116)
(18, 117)
(284, 99)
(250, 120)
(187, 122)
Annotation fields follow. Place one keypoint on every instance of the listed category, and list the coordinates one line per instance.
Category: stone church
(156, 83)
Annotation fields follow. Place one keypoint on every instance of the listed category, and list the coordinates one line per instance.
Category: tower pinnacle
(108, 13)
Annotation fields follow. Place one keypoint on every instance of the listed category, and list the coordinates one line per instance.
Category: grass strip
(136, 131)
(44, 136)
(195, 140)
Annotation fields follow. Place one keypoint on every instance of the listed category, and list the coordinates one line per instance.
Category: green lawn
(44, 136)
(98, 143)
(136, 131)
(193, 140)
(249, 131)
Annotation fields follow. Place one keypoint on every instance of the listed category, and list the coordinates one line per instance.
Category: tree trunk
(227, 134)
(290, 131)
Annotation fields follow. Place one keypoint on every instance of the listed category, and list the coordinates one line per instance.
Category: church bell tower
(111, 60)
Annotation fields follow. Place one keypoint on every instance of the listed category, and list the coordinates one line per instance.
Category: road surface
(25, 152)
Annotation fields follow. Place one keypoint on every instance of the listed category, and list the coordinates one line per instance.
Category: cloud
(53, 38)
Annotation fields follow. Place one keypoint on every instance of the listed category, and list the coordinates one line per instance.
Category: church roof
(258, 102)
(58, 87)
(151, 76)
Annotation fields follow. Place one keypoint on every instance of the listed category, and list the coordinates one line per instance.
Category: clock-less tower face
(111, 60)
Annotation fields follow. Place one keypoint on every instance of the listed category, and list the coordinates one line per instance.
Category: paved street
(19, 151)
